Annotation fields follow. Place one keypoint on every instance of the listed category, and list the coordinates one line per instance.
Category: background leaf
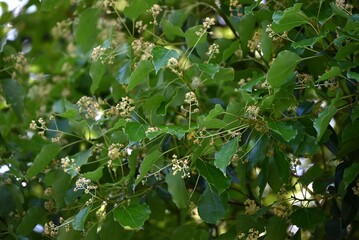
(86, 29)
(46, 155)
(211, 207)
(15, 95)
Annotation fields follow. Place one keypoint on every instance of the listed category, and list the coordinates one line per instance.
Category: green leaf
(147, 164)
(246, 222)
(213, 175)
(350, 174)
(209, 68)
(49, 5)
(308, 218)
(331, 73)
(95, 175)
(178, 190)
(135, 8)
(161, 56)
(171, 30)
(290, 18)
(46, 155)
(135, 131)
(287, 132)
(97, 70)
(276, 228)
(223, 157)
(79, 222)
(60, 186)
(211, 207)
(86, 30)
(282, 67)
(246, 28)
(132, 216)
(14, 94)
(321, 123)
(140, 74)
(192, 39)
(33, 216)
(353, 75)
(312, 174)
(308, 42)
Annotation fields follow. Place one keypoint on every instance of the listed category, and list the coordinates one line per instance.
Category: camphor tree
(169, 119)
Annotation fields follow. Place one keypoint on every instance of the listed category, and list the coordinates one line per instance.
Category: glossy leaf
(282, 67)
(147, 164)
(307, 218)
(211, 207)
(178, 190)
(79, 222)
(213, 175)
(331, 73)
(287, 132)
(132, 216)
(140, 74)
(46, 155)
(161, 56)
(289, 18)
(224, 155)
(171, 30)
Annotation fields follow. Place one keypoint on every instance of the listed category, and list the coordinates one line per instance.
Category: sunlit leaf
(95, 175)
(135, 131)
(289, 18)
(132, 216)
(331, 73)
(135, 8)
(192, 39)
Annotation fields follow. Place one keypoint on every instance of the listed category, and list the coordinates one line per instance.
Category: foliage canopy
(168, 119)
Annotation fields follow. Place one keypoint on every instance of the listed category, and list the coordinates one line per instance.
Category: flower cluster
(250, 207)
(68, 164)
(180, 165)
(49, 205)
(142, 48)
(212, 50)
(50, 229)
(342, 5)
(115, 151)
(207, 23)
(174, 66)
(356, 188)
(191, 100)
(99, 54)
(155, 10)
(253, 111)
(140, 26)
(280, 210)
(234, 7)
(90, 107)
(124, 107)
(20, 63)
(85, 184)
(253, 234)
(255, 42)
(62, 30)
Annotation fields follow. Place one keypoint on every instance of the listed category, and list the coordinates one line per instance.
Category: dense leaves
(147, 119)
